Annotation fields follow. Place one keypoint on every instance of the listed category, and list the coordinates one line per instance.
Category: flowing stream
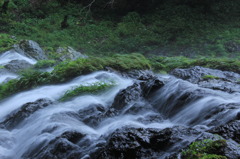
(7, 58)
(178, 102)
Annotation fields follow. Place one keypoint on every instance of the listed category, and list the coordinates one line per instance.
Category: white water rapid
(8, 57)
(178, 102)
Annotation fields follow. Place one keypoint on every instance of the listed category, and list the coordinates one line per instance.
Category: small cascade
(12, 62)
(155, 116)
(13, 55)
(185, 103)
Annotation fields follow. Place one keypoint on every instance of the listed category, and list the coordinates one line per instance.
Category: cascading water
(35, 125)
(7, 58)
(186, 103)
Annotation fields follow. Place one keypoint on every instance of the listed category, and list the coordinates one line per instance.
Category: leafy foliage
(45, 63)
(6, 42)
(191, 32)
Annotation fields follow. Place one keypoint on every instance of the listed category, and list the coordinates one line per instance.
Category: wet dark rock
(72, 136)
(92, 114)
(172, 103)
(17, 116)
(231, 149)
(219, 84)
(222, 111)
(129, 143)
(60, 147)
(31, 49)
(238, 116)
(127, 96)
(17, 65)
(7, 74)
(151, 118)
(221, 80)
(228, 131)
(144, 87)
(195, 74)
(140, 75)
(138, 107)
(150, 86)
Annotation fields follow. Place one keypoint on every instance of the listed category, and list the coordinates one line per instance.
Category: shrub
(45, 64)
(6, 42)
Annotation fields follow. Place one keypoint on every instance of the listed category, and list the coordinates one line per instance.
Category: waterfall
(35, 124)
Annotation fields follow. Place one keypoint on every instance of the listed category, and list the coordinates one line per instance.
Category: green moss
(70, 69)
(29, 79)
(119, 62)
(205, 149)
(94, 88)
(211, 156)
(170, 63)
(206, 77)
(45, 64)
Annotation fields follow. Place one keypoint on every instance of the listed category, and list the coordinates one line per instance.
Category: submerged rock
(144, 87)
(92, 114)
(16, 117)
(6, 75)
(61, 146)
(17, 65)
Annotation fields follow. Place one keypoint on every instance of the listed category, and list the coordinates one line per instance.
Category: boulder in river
(69, 53)
(30, 49)
(17, 65)
(16, 117)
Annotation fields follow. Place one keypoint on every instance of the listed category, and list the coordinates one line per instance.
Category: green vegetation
(209, 28)
(6, 42)
(177, 27)
(45, 64)
(170, 63)
(121, 62)
(206, 149)
(1, 67)
(68, 70)
(94, 88)
(206, 77)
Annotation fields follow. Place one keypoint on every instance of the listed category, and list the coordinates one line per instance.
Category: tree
(4, 7)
